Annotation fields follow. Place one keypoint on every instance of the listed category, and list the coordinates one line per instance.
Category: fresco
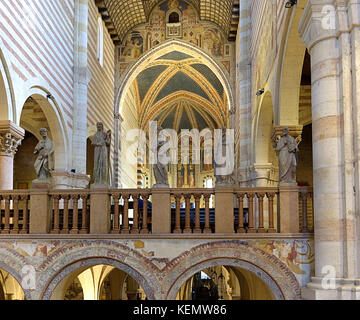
(200, 33)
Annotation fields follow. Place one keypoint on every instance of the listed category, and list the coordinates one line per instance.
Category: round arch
(7, 99)
(17, 264)
(51, 109)
(90, 262)
(172, 45)
(276, 275)
(263, 126)
(291, 71)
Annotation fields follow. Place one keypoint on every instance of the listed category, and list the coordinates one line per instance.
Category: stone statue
(44, 162)
(287, 149)
(160, 169)
(222, 179)
(101, 141)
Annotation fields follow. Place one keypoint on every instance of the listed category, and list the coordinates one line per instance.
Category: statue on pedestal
(44, 162)
(287, 149)
(160, 169)
(101, 141)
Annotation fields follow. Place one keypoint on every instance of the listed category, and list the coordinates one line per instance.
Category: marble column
(325, 28)
(81, 80)
(244, 89)
(10, 138)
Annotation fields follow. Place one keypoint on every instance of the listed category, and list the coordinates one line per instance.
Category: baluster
(25, 228)
(135, 227)
(271, 197)
(177, 216)
(251, 197)
(56, 199)
(125, 224)
(240, 197)
(15, 228)
(75, 229)
(144, 227)
(304, 196)
(260, 197)
(187, 213)
(116, 227)
(207, 228)
(84, 227)
(197, 213)
(65, 228)
(7, 214)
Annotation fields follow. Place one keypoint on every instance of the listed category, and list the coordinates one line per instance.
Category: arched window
(100, 42)
(174, 18)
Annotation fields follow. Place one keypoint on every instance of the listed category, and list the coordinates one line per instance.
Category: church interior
(85, 213)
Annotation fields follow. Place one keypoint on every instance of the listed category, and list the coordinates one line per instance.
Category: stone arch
(280, 280)
(12, 262)
(56, 268)
(7, 99)
(37, 89)
(291, 71)
(263, 127)
(133, 70)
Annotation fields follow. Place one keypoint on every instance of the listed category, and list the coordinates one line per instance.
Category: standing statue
(287, 149)
(44, 162)
(160, 169)
(224, 173)
(101, 141)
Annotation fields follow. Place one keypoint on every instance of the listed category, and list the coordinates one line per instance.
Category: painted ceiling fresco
(127, 14)
(177, 90)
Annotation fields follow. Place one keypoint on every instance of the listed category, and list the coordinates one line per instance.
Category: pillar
(325, 28)
(224, 211)
(161, 211)
(99, 211)
(10, 138)
(245, 90)
(81, 79)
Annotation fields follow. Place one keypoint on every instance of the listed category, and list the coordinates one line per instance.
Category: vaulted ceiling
(180, 91)
(121, 16)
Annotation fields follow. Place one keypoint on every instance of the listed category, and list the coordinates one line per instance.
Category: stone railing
(14, 213)
(157, 211)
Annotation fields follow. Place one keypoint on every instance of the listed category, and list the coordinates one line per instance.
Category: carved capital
(319, 22)
(10, 137)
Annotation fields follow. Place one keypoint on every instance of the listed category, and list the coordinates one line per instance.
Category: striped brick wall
(38, 35)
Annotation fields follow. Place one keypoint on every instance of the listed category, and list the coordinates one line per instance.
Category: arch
(17, 262)
(90, 262)
(172, 45)
(55, 268)
(263, 127)
(37, 89)
(280, 280)
(7, 98)
(291, 71)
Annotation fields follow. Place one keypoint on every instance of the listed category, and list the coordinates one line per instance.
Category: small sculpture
(287, 149)
(160, 169)
(101, 141)
(44, 162)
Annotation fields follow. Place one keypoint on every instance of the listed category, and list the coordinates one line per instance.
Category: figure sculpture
(287, 149)
(160, 168)
(44, 162)
(101, 141)
(224, 173)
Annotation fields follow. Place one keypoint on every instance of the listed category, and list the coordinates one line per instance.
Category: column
(81, 79)
(243, 111)
(10, 138)
(118, 120)
(325, 31)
